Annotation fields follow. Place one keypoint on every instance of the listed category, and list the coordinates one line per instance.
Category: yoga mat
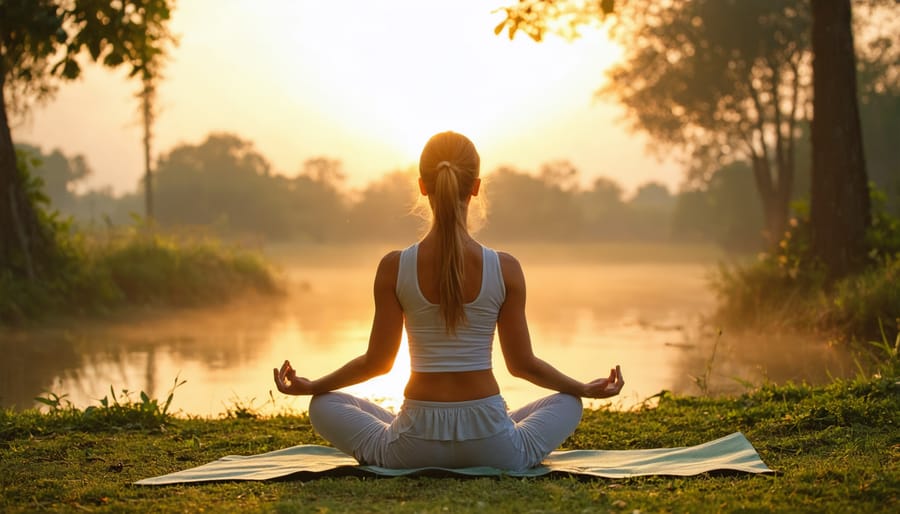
(732, 453)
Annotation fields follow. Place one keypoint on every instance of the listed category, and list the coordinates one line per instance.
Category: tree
(525, 206)
(150, 63)
(693, 82)
(225, 183)
(384, 208)
(318, 201)
(774, 94)
(650, 212)
(147, 97)
(839, 203)
(325, 171)
(42, 43)
(561, 174)
(720, 210)
(58, 173)
(876, 23)
(222, 181)
(603, 211)
(653, 195)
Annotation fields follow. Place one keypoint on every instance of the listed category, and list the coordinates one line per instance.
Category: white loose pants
(446, 434)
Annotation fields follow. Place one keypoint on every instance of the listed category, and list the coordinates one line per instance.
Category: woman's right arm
(384, 342)
(515, 342)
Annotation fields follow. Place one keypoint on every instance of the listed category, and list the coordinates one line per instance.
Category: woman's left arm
(384, 341)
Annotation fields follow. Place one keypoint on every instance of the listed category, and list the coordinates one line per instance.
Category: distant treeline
(224, 185)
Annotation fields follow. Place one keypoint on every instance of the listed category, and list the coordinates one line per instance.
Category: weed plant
(114, 412)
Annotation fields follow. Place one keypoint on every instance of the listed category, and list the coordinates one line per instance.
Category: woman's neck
(432, 237)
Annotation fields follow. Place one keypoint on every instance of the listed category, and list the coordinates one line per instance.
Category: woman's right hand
(287, 381)
(605, 387)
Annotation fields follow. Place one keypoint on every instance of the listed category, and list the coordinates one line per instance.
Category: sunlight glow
(363, 82)
(430, 67)
(387, 390)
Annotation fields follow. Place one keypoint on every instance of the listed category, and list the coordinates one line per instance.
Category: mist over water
(590, 307)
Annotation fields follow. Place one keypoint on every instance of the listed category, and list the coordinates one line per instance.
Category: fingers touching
(607, 387)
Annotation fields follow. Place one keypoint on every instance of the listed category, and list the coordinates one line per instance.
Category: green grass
(836, 449)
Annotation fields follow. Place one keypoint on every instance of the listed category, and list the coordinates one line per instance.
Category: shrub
(153, 269)
(137, 267)
(787, 288)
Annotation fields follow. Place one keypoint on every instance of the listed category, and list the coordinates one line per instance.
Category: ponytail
(450, 226)
(449, 166)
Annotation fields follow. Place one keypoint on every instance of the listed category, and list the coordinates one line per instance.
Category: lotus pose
(452, 293)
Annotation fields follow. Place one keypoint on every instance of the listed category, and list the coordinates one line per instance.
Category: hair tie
(444, 164)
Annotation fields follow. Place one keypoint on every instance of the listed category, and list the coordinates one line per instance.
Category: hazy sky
(365, 82)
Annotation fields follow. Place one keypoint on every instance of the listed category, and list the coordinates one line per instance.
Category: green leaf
(46, 401)
(165, 407)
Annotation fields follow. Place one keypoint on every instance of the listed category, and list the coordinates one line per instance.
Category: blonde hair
(449, 166)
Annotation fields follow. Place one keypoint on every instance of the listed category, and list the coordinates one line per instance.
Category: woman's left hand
(605, 387)
(287, 381)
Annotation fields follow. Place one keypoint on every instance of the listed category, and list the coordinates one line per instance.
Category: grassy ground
(836, 449)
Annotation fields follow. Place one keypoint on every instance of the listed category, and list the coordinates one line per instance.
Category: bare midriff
(456, 386)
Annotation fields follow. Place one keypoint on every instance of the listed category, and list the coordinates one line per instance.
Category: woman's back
(428, 270)
(457, 366)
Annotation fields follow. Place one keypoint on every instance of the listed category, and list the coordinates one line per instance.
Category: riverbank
(836, 448)
(97, 274)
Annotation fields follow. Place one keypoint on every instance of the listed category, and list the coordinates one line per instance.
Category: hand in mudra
(605, 387)
(287, 381)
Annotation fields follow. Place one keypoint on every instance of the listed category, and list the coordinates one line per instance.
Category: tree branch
(760, 126)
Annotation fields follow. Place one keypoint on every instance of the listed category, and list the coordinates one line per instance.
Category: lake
(590, 307)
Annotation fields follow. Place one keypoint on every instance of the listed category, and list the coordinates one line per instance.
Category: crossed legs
(361, 428)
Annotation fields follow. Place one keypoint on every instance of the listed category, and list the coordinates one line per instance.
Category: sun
(398, 72)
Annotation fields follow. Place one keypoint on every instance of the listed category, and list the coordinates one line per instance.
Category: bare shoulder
(508, 261)
(390, 259)
(390, 262)
(511, 269)
(388, 268)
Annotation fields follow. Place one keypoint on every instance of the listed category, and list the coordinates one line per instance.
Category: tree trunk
(839, 210)
(773, 200)
(147, 114)
(21, 239)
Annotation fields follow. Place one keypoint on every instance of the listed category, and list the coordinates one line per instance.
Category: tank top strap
(407, 279)
(493, 276)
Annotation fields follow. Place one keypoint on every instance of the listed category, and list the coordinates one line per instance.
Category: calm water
(588, 310)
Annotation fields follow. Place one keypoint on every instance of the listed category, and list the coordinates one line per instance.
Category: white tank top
(431, 349)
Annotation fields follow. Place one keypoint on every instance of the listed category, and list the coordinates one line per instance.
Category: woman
(451, 292)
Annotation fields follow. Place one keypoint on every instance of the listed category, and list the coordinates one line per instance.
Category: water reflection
(584, 318)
